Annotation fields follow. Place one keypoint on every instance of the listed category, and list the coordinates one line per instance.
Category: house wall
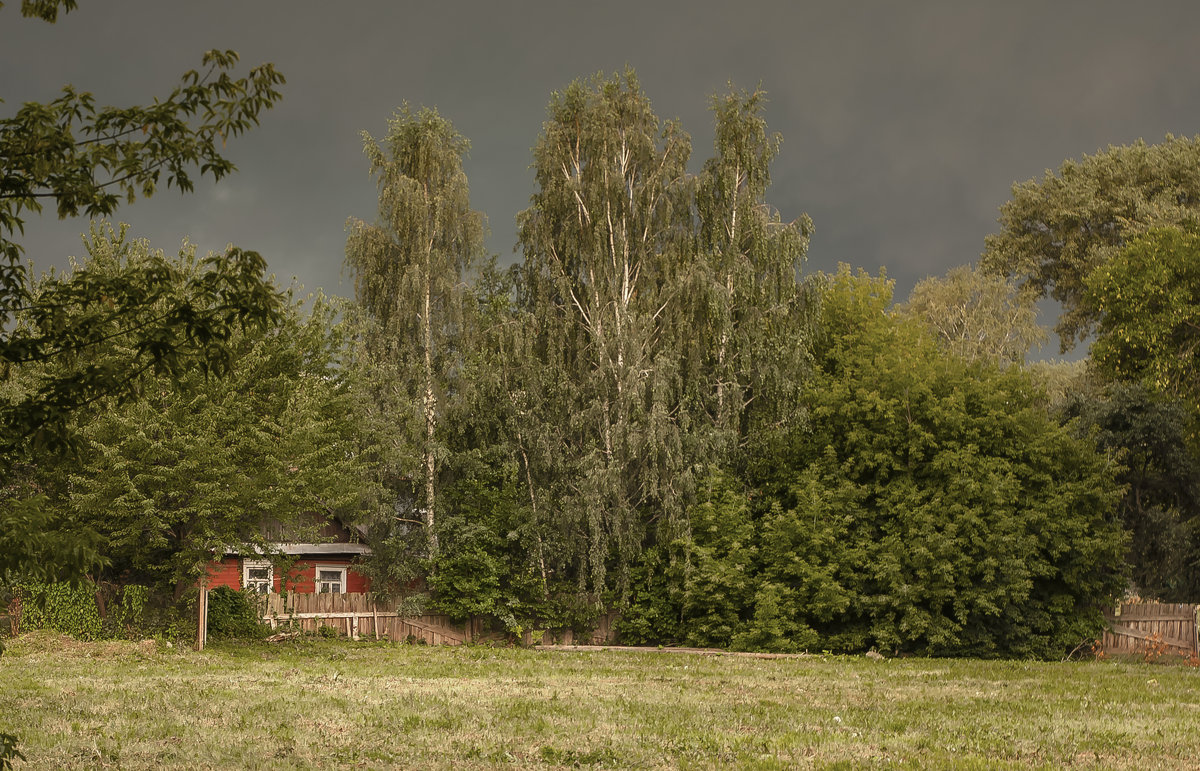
(227, 572)
(301, 578)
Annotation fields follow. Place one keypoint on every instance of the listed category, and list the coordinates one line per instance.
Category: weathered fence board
(354, 615)
(1139, 627)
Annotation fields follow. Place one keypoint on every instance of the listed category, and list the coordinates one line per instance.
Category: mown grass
(326, 704)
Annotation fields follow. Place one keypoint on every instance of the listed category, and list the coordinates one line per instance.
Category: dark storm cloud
(904, 124)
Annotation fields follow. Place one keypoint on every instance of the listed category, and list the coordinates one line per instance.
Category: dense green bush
(109, 611)
(234, 615)
(931, 505)
(67, 608)
(128, 613)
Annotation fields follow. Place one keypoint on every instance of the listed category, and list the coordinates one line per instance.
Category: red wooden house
(324, 564)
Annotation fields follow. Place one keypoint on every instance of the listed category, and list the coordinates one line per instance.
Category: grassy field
(338, 704)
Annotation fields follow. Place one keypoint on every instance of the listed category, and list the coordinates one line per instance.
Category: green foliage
(234, 615)
(88, 611)
(651, 616)
(408, 281)
(977, 316)
(746, 344)
(128, 613)
(930, 505)
(37, 543)
(1147, 433)
(603, 254)
(9, 751)
(961, 517)
(202, 464)
(719, 567)
(88, 159)
(63, 607)
(697, 588)
(489, 561)
(669, 325)
(471, 574)
(46, 10)
(935, 506)
(1148, 300)
(1056, 231)
(111, 324)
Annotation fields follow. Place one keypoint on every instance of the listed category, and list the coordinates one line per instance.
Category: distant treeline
(658, 410)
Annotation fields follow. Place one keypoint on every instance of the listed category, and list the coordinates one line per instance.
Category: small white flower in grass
(837, 719)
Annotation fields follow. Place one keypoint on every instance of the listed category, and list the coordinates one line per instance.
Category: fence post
(202, 613)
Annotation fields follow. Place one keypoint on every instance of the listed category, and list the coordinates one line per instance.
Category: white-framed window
(331, 579)
(258, 576)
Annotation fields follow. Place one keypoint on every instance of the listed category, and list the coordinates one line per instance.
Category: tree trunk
(430, 417)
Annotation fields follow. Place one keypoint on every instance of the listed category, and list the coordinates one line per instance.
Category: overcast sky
(905, 124)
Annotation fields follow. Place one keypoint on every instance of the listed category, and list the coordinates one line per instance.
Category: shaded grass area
(322, 703)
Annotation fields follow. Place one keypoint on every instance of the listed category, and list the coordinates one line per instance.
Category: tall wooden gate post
(202, 613)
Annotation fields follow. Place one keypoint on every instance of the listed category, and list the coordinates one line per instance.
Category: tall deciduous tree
(86, 159)
(748, 309)
(1147, 434)
(199, 464)
(978, 316)
(1147, 298)
(1148, 301)
(1056, 231)
(604, 242)
(408, 275)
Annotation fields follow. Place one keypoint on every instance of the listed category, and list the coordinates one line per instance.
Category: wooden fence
(355, 616)
(1143, 627)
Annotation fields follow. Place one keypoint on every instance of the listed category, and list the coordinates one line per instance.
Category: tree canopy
(409, 270)
(977, 316)
(1148, 301)
(931, 505)
(86, 159)
(1057, 230)
(199, 466)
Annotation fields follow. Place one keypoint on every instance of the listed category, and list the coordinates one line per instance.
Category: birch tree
(748, 303)
(408, 272)
(978, 316)
(604, 246)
